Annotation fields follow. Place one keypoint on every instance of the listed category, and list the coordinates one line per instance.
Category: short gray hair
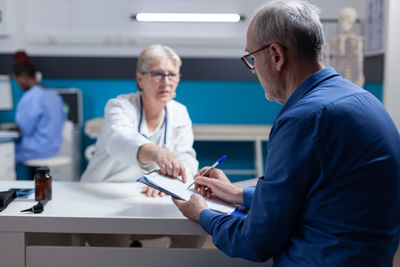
(294, 24)
(153, 54)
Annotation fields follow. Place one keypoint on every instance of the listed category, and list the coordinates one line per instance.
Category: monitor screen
(6, 101)
(72, 104)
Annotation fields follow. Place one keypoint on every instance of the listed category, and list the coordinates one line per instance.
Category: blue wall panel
(227, 102)
(376, 89)
(208, 102)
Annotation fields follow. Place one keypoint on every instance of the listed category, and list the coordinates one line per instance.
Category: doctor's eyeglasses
(249, 59)
(158, 76)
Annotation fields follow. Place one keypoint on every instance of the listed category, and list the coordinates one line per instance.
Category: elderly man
(330, 195)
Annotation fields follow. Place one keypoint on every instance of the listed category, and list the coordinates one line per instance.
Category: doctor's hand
(216, 183)
(169, 164)
(151, 192)
(191, 208)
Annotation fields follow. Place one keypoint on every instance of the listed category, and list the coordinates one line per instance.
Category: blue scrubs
(330, 195)
(40, 117)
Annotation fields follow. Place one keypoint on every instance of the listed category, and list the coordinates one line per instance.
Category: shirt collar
(309, 84)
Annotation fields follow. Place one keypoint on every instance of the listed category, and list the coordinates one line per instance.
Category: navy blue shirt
(330, 195)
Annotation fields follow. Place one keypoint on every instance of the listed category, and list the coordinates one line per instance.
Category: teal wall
(208, 102)
(376, 89)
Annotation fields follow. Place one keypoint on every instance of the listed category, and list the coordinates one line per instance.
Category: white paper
(178, 188)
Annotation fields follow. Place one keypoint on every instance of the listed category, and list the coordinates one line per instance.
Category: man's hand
(219, 185)
(151, 192)
(169, 164)
(191, 208)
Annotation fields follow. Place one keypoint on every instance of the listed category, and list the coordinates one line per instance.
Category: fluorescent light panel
(188, 17)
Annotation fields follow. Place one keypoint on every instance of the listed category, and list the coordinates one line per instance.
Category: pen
(209, 169)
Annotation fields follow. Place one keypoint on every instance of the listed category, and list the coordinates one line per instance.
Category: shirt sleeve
(248, 194)
(291, 166)
(121, 138)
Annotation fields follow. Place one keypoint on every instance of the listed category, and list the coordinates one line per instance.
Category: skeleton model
(344, 52)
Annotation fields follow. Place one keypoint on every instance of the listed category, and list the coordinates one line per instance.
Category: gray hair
(294, 24)
(153, 54)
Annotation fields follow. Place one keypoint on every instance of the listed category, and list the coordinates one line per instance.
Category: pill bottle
(42, 184)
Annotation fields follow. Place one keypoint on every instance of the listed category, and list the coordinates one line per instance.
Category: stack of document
(179, 190)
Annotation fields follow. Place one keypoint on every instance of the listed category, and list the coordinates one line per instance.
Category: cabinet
(7, 162)
(5, 17)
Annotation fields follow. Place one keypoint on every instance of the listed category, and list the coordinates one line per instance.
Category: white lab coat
(115, 158)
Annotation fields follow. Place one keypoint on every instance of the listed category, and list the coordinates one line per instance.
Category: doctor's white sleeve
(122, 140)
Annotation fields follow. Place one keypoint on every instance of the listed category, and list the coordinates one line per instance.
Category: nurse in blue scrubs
(39, 115)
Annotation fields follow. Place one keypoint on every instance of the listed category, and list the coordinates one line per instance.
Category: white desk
(79, 208)
(225, 132)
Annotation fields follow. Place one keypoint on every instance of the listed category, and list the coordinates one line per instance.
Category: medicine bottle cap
(42, 170)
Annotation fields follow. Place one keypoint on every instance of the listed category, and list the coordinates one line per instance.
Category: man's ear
(278, 56)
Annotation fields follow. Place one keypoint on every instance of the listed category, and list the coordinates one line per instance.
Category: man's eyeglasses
(158, 76)
(249, 60)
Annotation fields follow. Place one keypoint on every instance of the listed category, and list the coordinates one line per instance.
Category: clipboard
(148, 182)
(175, 188)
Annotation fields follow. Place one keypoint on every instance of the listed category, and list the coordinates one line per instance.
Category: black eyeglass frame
(245, 56)
(171, 76)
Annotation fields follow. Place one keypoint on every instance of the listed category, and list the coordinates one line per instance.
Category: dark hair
(23, 64)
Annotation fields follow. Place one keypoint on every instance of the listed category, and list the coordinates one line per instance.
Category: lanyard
(141, 119)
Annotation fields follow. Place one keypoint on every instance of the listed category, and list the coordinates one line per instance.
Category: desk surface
(101, 208)
(116, 208)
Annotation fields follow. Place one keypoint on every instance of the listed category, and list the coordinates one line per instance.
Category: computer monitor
(72, 104)
(6, 101)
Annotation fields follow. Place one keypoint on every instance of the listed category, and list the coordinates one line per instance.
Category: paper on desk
(177, 189)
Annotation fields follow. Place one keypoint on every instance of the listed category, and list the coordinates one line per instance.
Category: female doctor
(147, 130)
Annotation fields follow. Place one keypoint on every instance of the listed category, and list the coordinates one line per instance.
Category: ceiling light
(187, 17)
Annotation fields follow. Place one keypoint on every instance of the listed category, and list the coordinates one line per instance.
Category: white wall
(391, 94)
(104, 27)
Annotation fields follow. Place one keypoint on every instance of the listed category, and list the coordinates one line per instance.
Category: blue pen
(209, 169)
